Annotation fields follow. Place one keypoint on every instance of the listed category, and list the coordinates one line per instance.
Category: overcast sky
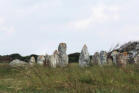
(38, 26)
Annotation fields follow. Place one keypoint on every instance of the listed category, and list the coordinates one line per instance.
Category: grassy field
(72, 79)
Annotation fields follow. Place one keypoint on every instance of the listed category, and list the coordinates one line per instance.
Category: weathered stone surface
(114, 56)
(137, 47)
(95, 59)
(47, 61)
(93, 62)
(122, 59)
(130, 46)
(17, 62)
(63, 57)
(54, 59)
(132, 49)
(84, 59)
(56, 55)
(103, 57)
(41, 60)
(32, 61)
(137, 59)
(109, 61)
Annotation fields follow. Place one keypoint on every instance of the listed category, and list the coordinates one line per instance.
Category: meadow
(71, 79)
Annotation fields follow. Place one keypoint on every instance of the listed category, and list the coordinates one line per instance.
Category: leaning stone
(17, 63)
(103, 57)
(41, 60)
(84, 59)
(63, 57)
(32, 61)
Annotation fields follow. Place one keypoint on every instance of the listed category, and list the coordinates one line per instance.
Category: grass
(71, 79)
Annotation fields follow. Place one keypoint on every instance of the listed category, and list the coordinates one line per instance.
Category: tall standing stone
(103, 57)
(63, 57)
(41, 60)
(84, 59)
(32, 61)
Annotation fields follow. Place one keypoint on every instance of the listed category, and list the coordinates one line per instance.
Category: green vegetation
(71, 79)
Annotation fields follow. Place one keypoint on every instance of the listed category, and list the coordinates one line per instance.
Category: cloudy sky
(38, 26)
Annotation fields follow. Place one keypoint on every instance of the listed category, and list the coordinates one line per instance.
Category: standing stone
(93, 62)
(103, 57)
(122, 59)
(114, 56)
(41, 60)
(137, 59)
(63, 57)
(137, 62)
(54, 59)
(56, 55)
(32, 61)
(137, 47)
(84, 58)
(47, 61)
(95, 59)
(109, 61)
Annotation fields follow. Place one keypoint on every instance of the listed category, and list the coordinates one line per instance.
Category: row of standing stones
(120, 59)
(60, 58)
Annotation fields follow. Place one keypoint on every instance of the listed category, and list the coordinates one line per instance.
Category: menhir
(54, 59)
(63, 57)
(84, 59)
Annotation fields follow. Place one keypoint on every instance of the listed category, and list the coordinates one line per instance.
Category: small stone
(41, 60)
(32, 61)
(84, 59)
(17, 62)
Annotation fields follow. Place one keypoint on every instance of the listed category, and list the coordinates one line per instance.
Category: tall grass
(71, 79)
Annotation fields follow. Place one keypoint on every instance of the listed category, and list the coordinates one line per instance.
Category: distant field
(72, 79)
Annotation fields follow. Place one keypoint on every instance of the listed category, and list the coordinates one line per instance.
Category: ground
(71, 79)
